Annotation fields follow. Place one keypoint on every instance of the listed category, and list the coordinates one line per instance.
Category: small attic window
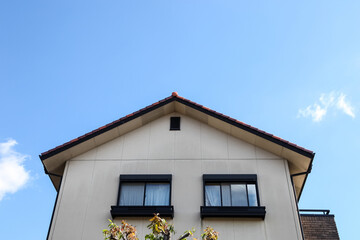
(174, 123)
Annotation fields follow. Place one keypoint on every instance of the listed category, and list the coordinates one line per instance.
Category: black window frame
(143, 211)
(175, 123)
(232, 211)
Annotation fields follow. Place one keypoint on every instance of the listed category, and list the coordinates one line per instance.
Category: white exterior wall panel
(91, 183)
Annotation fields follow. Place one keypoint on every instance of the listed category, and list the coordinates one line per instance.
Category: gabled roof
(300, 159)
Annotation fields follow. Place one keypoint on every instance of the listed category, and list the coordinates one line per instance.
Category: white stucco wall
(91, 180)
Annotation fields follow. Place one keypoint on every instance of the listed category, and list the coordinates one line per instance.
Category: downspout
(57, 195)
(294, 191)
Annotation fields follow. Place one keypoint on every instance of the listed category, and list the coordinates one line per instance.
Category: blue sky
(68, 67)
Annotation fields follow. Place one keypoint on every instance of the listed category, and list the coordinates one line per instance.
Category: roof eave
(233, 122)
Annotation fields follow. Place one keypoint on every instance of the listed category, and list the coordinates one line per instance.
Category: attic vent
(174, 123)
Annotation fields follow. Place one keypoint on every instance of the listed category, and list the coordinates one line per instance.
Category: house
(187, 162)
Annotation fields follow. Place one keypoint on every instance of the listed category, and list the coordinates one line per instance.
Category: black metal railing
(315, 211)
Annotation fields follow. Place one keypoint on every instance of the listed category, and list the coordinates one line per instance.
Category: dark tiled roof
(319, 227)
(176, 97)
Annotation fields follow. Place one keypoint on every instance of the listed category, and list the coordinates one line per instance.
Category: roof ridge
(174, 96)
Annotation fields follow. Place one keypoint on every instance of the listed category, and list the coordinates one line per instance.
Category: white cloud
(315, 111)
(345, 106)
(327, 102)
(13, 175)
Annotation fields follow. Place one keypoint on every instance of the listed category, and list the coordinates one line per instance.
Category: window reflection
(231, 194)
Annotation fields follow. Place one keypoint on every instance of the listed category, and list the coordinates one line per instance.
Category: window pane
(238, 195)
(212, 195)
(157, 194)
(225, 193)
(132, 194)
(252, 195)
